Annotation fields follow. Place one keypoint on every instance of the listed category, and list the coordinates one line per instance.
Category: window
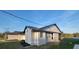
(41, 34)
(52, 36)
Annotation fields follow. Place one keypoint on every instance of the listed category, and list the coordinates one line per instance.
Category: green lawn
(10, 45)
(64, 44)
(67, 43)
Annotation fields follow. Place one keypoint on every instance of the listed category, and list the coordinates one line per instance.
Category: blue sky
(67, 20)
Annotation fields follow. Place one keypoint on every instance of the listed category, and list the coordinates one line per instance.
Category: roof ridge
(52, 25)
(47, 26)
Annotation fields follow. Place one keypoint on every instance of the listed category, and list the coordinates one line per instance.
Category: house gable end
(52, 28)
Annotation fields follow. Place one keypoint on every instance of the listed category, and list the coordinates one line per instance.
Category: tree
(76, 34)
(68, 35)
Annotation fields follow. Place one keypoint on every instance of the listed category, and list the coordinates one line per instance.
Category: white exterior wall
(17, 37)
(42, 40)
(49, 37)
(34, 38)
(53, 37)
(56, 37)
(37, 40)
(28, 36)
(52, 29)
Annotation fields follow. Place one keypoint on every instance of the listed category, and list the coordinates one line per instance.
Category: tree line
(64, 35)
(68, 35)
(2, 36)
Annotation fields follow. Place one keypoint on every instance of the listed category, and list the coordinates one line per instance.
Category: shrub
(23, 43)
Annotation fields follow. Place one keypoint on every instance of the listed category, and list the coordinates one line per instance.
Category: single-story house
(39, 36)
(15, 35)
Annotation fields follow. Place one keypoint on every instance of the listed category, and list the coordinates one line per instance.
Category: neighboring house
(39, 36)
(15, 36)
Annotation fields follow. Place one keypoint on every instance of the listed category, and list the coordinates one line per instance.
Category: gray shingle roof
(41, 29)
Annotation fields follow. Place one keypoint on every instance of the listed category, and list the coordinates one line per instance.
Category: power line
(19, 17)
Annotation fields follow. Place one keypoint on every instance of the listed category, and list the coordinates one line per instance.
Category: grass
(67, 43)
(10, 45)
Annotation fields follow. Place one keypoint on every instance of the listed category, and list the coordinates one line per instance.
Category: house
(15, 35)
(39, 36)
